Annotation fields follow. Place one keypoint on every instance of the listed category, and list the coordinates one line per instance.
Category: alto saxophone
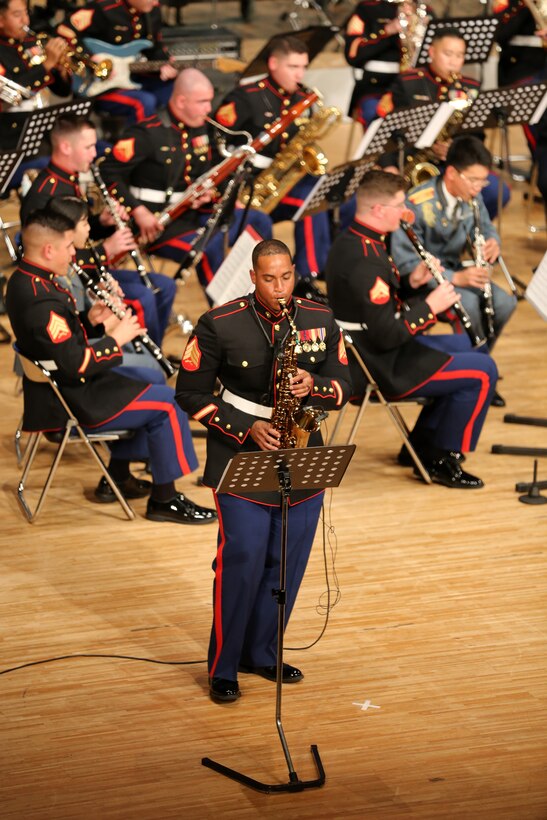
(421, 165)
(294, 422)
(413, 29)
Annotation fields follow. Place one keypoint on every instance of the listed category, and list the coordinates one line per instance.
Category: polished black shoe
(405, 459)
(222, 690)
(179, 510)
(131, 488)
(290, 673)
(497, 400)
(447, 471)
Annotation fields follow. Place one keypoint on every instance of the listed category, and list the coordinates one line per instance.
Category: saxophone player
(242, 344)
(444, 221)
(440, 81)
(253, 107)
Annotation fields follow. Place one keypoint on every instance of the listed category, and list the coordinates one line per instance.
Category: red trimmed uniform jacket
(238, 343)
(364, 287)
(48, 327)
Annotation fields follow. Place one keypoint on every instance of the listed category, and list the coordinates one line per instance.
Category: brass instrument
(294, 422)
(487, 301)
(421, 165)
(299, 157)
(12, 93)
(412, 34)
(74, 60)
(538, 10)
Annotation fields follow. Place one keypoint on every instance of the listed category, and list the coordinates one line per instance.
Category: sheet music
(367, 138)
(436, 124)
(232, 278)
(536, 292)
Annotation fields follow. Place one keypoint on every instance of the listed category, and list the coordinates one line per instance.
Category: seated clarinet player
(449, 218)
(270, 351)
(73, 149)
(48, 326)
(156, 161)
(368, 296)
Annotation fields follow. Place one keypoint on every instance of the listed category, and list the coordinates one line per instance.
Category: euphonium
(12, 93)
(299, 157)
(294, 422)
(414, 26)
(421, 166)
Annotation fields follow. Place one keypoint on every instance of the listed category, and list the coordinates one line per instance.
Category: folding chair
(372, 393)
(73, 433)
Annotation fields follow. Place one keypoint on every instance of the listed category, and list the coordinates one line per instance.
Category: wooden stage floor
(426, 696)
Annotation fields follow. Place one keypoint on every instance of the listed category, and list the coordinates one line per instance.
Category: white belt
(351, 325)
(154, 195)
(246, 406)
(523, 40)
(382, 67)
(261, 162)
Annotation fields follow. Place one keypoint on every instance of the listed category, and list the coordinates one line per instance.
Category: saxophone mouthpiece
(282, 303)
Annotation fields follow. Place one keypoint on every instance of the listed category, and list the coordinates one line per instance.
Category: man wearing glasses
(445, 224)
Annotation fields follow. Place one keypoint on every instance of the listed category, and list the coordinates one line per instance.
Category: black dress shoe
(290, 673)
(179, 510)
(497, 400)
(131, 488)
(223, 690)
(405, 459)
(447, 471)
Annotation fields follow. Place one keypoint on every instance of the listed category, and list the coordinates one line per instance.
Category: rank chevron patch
(57, 328)
(191, 357)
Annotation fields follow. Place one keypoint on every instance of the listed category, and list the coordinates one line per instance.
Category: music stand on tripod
(500, 108)
(382, 135)
(478, 33)
(307, 468)
(42, 120)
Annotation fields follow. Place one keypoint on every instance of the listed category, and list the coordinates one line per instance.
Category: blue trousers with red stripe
(137, 103)
(152, 308)
(162, 434)
(312, 237)
(462, 390)
(246, 571)
(213, 257)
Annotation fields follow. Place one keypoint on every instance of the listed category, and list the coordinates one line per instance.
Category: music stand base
(506, 450)
(293, 785)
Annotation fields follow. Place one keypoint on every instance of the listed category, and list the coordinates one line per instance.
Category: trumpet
(105, 295)
(74, 61)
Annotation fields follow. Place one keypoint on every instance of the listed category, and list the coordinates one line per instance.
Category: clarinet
(459, 310)
(110, 203)
(108, 299)
(487, 300)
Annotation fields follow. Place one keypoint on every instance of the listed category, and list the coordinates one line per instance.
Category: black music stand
(391, 133)
(478, 33)
(42, 120)
(308, 468)
(502, 107)
(315, 38)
